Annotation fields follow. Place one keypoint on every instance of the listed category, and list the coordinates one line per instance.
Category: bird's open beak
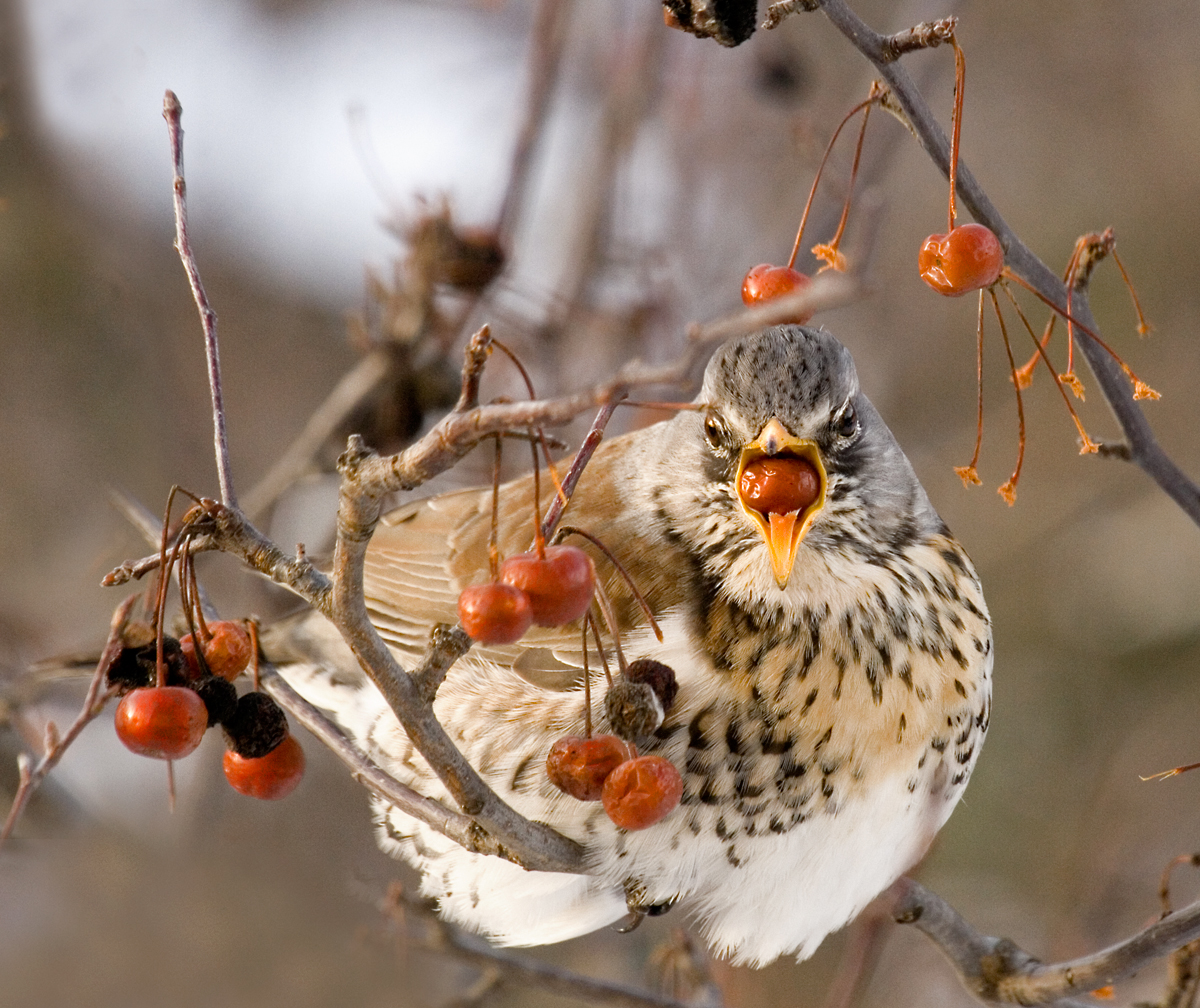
(782, 532)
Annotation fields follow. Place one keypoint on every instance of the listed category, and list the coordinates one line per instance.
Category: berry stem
(1140, 389)
(1143, 327)
(610, 620)
(587, 684)
(252, 630)
(834, 259)
(591, 622)
(1009, 490)
(1089, 445)
(494, 534)
(567, 530)
(967, 473)
(820, 169)
(960, 82)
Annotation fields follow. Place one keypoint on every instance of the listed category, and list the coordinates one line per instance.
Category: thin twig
(172, 111)
(93, 704)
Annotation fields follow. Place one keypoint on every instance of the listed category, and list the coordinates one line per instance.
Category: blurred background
(322, 138)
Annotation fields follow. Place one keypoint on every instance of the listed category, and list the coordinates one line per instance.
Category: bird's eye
(714, 432)
(846, 425)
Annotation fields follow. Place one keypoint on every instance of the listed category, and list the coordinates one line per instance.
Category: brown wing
(424, 553)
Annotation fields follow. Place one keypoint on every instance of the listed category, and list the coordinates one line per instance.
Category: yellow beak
(782, 532)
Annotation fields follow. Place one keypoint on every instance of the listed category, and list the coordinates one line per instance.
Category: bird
(834, 675)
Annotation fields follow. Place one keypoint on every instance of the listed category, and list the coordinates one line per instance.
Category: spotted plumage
(826, 721)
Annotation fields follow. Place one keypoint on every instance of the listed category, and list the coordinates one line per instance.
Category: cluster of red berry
(552, 585)
(637, 791)
(967, 257)
(173, 690)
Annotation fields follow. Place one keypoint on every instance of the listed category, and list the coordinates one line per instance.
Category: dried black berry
(633, 709)
(219, 696)
(659, 677)
(137, 667)
(256, 726)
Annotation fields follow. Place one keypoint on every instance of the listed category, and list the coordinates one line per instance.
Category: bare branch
(172, 112)
(545, 57)
(93, 704)
(520, 971)
(356, 384)
(458, 827)
(996, 970)
(1144, 448)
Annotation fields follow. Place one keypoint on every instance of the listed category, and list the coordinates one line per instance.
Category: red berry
(642, 791)
(269, 777)
(226, 652)
(579, 766)
(779, 485)
(163, 722)
(494, 613)
(559, 586)
(766, 282)
(967, 259)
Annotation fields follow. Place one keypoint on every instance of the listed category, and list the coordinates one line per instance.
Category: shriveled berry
(256, 726)
(633, 708)
(765, 282)
(578, 766)
(163, 722)
(494, 613)
(642, 791)
(226, 652)
(268, 777)
(137, 666)
(659, 677)
(219, 696)
(967, 259)
(559, 585)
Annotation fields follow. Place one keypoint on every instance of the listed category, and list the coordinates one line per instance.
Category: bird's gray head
(784, 415)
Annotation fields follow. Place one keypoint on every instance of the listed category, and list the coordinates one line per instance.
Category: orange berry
(967, 259)
(766, 282)
(559, 585)
(578, 766)
(642, 791)
(226, 652)
(779, 485)
(162, 722)
(269, 777)
(494, 613)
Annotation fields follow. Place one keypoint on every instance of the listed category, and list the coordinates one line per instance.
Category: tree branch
(1143, 447)
(93, 704)
(996, 970)
(172, 111)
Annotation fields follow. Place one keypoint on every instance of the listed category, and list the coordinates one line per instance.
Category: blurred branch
(519, 971)
(545, 58)
(997, 971)
(358, 383)
(1143, 447)
(93, 704)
